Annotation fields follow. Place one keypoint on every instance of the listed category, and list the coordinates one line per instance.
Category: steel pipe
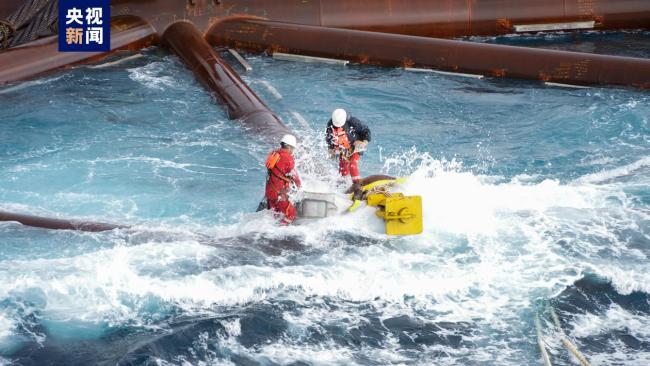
(421, 52)
(221, 80)
(432, 18)
(42, 56)
(57, 224)
(439, 18)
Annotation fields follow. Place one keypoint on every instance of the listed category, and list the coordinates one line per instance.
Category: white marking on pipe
(241, 60)
(548, 83)
(308, 59)
(554, 26)
(117, 62)
(475, 76)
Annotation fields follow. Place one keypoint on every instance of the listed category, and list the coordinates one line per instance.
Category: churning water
(534, 198)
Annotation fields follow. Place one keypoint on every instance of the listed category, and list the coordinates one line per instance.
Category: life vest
(272, 159)
(340, 138)
(271, 162)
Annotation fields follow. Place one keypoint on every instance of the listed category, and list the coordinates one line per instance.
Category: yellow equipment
(403, 215)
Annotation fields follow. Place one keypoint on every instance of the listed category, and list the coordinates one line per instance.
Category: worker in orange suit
(281, 179)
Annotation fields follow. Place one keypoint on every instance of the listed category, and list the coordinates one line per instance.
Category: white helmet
(339, 117)
(289, 140)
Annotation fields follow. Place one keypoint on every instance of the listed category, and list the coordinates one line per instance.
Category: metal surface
(438, 18)
(420, 52)
(37, 58)
(433, 18)
(247, 67)
(218, 77)
(56, 224)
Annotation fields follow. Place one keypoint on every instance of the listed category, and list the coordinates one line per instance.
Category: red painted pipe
(42, 56)
(433, 18)
(219, 78)
(57, 224)
(449, 55)
(438, 18)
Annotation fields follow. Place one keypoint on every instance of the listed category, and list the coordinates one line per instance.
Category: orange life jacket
(340, 138)
(271, 161)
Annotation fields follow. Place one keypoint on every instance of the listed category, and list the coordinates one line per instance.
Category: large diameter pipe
(421, 52)
(41, 56)
(441, 18)
(454, 18)
(57, 224)
(218, 77)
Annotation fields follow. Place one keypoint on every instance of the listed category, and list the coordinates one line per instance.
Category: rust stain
(504, 24)
(498, 72)
(273, 49)
(599, 20)
(407, 62)
(363, 59)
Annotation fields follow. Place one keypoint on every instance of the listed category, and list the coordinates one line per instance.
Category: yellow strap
(354, 206)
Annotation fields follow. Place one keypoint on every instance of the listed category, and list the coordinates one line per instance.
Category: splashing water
(531, 196)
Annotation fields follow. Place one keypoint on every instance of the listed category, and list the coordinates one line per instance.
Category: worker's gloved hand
(360, 146)
(333, 153)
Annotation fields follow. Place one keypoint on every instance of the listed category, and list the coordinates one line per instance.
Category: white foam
(489, 247)
(97, 287)
(634, 277)
(150, 75)
(233, 327)
(7, 328)
(28, 84)
(321, 354)
(460, 202)
(615, 318)
(609, 174)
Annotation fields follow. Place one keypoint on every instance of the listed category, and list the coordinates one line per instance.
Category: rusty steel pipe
(41, 56)
(221, 80)
(420, 52)
(438, 18)
(455, 18)
(57, 224)
(433, 18)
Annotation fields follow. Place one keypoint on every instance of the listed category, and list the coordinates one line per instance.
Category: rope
(39, 26)
(37, 15)
(567, 343)
(6, 31)
(540, 342)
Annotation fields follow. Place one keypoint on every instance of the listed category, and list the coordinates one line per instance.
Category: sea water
(535, 198)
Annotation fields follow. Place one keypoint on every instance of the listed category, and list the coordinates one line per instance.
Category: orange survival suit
(281, 174)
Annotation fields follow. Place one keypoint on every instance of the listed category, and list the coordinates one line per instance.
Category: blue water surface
(534, 198)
